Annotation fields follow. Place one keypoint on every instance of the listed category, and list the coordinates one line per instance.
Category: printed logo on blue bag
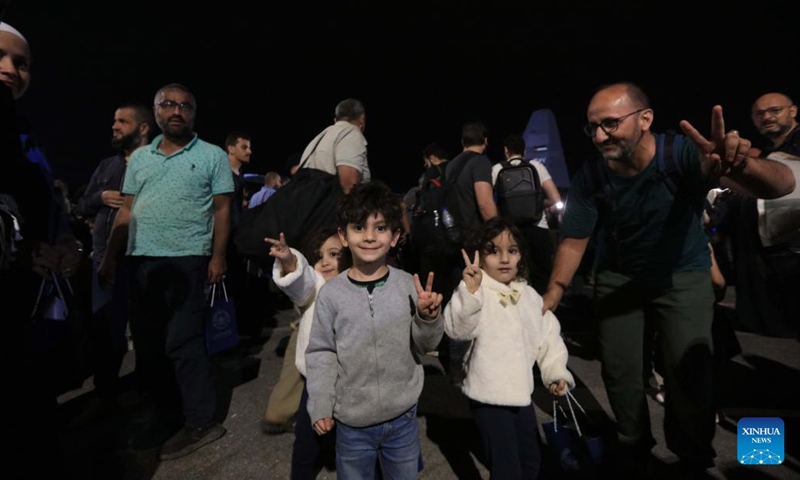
(760, 441)
(221, 320)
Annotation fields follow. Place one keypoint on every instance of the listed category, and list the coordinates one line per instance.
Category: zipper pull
(371, 309)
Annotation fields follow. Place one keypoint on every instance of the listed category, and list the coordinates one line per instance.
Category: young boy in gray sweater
(371, 325)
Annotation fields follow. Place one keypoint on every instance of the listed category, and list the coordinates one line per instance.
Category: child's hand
(281, 251)
(428, 301)
(559, 388)
(323, 425)
(472, 272)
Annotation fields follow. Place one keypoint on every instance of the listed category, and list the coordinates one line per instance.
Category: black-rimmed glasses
(608, 125)
(169, 105)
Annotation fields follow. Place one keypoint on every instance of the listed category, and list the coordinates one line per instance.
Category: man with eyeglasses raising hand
(652, 255)
(766, 240)
(177, 199)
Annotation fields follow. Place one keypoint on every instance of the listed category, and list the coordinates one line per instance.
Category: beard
(126, 143)
(625, 148)
(179, 131)
(775, 130)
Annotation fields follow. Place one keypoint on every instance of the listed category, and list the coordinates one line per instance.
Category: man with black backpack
(469, 202)
(430, 260)
(525, 191)
(455, 197)
(644, 205)
(473, 196)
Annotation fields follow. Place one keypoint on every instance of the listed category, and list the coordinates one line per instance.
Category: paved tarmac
(761, 382)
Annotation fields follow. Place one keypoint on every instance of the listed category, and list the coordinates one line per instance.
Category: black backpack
(518, 192)
(306, 204)
(429, 231)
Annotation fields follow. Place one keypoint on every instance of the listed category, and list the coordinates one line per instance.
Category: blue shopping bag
(222, 332)
(575, 450)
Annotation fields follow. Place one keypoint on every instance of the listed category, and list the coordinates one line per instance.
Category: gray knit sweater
(363, 356)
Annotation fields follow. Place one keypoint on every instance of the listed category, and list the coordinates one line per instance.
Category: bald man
(653, 256)
(775, 117)
(767, 267)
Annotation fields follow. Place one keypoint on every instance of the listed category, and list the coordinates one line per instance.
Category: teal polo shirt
(173, 206)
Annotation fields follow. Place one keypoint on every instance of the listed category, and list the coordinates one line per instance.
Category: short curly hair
(367, 199)
(482, 240)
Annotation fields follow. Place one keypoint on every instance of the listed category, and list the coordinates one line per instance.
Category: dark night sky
(276, 70)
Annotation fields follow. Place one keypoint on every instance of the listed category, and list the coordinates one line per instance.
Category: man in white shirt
(537, 235)
(341, 149)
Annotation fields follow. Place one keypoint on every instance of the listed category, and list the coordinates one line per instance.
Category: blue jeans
(394, 444)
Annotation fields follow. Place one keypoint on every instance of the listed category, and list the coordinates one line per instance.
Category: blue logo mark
(759, 441)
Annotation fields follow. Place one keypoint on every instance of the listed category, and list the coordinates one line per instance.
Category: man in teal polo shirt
(176, 216)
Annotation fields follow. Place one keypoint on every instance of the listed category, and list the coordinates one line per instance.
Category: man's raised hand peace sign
(722, 151)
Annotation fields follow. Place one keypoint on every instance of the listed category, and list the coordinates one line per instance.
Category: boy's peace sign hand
(428, 302)
(281, 251)
(472, 272)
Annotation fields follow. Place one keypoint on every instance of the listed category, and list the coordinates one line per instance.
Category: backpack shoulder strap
(667, 144)
(459, 168)
(456, 173)
(536, 179)
(322, 135)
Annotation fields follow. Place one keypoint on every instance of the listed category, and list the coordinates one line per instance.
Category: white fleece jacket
(506, 342)
(301, 286)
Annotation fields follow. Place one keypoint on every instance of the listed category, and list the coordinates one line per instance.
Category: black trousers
(167, 314)
(510, 438)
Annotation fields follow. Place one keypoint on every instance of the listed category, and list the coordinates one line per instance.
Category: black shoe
(187, 440)
(154, 434)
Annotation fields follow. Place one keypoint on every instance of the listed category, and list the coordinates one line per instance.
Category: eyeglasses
(772, 111)
(608, 125)
(169, 105)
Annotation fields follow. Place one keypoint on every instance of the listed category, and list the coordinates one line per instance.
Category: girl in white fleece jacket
(495, 308)
(300, 278)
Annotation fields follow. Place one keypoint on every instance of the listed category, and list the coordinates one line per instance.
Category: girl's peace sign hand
(428, 302)
(278, 248)
(281, 251)
(472, 272)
